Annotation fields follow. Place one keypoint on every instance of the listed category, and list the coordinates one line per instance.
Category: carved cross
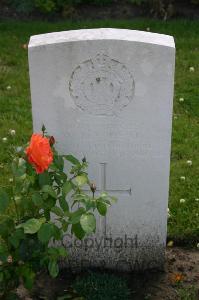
(103, 188)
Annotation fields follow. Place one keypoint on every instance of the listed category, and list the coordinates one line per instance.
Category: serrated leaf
(64, 225)
(72, 159)
(37, 199)
(88, 222)
(67, 187)
(4, 201)
(102, 208)
(63, 204)
(32, 225)
(49, 190)
(58, 211)
(75, 216)
(81, 180)
(44, 179)
(78, 231)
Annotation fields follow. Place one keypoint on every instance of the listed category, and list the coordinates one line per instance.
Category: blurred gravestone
(107, 94)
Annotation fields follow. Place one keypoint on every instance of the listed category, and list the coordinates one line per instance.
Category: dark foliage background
(67, 8)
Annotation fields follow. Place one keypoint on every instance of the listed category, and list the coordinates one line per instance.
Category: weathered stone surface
(107, 94)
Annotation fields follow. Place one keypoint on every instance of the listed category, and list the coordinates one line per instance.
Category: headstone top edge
(101, 34)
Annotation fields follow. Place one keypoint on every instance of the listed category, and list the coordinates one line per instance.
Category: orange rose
(39, 153)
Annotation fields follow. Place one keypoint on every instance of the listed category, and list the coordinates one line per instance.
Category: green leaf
(6, 226)
(78, 231)
(62, 251)
(105, 197)
(28, 276)
(4, 201)
(29, 279)
(32, 225)
(45, 232)
(58, 211)
(16, 237)
(81, 179)
(59, 162)
(49, 190)
(75, 216)
(72, 159)
(56, 232)
(113, 199)
(53, 268)
(102, 208)
(67, 187)
(63, 204)
(44, 179)
(37, 200)
(64, 225)
(88, 222)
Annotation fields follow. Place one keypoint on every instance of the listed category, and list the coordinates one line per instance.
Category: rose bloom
(39, 152)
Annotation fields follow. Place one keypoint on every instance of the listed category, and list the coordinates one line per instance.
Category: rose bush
(40, 187)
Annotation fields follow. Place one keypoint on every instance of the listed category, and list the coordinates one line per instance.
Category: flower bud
(52, 140)
(93, 187)
(84, 159)
(43, 129)
(9, 259)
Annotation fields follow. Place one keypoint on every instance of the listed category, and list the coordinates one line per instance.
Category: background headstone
(107, 94)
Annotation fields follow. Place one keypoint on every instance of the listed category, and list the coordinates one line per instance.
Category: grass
(102, 287)
(15, 106)
(187, 293)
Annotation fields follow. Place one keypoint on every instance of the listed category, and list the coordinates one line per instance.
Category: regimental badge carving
(101, 85)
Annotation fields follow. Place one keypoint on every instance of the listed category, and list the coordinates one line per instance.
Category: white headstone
(108, 94)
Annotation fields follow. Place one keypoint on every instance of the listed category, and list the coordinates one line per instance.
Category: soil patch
(182, 264)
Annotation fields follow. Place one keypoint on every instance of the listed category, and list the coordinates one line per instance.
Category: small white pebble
(182, 178)
(191, 69)
(12, 132)
(189, 162)
(8, 87)
(148, 29)
(4, 139)
(181, 99)
(182, 200)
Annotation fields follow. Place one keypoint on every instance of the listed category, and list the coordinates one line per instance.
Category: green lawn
(15, 107)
